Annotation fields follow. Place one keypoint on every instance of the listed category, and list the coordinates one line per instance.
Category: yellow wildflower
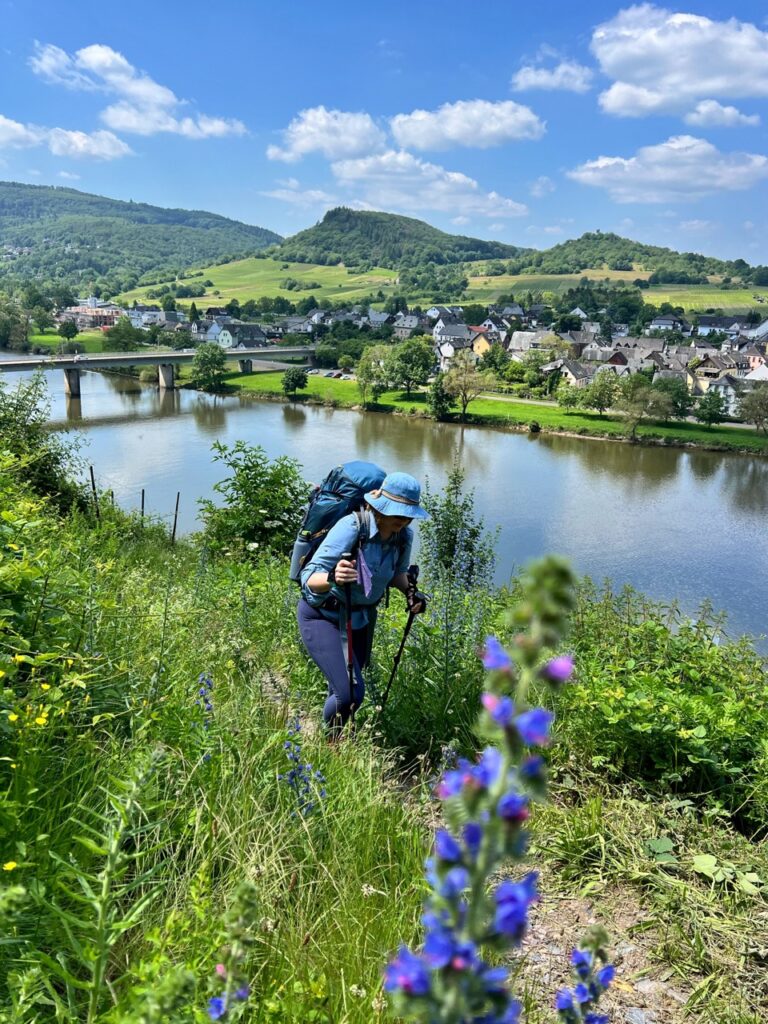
(14, 547)
(10, 865)
(12, 717)
(45, 686)
(18, 657)
(41, 720)
(1, 673)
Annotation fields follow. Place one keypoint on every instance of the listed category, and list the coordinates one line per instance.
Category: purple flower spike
(407, 972)
(532, 768)
(494, 657)
(438, 948)
(558, 670)
(501, 709)
(446, 847)
(217, 1007)
(454, 883)
(512, 902)
(487, 771)
(533, 726)
(582, 993)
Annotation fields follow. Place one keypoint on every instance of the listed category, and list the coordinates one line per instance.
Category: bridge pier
(165, 375)
(72, 382)
(246, 365)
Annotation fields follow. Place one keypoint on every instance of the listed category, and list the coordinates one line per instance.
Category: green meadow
(253, 278)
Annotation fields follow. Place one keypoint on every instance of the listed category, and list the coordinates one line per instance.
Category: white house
(450, 332)
(446, 350)
(758, 333)
(234, 335)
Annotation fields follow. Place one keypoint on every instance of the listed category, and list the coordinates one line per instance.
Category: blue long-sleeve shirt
(384, 558)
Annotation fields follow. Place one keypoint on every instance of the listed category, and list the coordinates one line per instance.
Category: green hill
(363, 239)
(82, 239)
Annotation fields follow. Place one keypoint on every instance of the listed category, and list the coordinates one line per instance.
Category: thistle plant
(306, 782)
(485, 807)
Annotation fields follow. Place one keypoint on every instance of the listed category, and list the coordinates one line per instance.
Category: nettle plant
(485, 806)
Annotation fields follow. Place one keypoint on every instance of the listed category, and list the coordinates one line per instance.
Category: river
(684, 525)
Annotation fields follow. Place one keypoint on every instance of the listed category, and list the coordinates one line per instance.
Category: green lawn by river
(505, 412)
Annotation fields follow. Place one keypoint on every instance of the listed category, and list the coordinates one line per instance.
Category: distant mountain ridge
(49, 233)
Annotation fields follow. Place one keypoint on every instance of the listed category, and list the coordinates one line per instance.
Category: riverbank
(102, 667)
(509, 414)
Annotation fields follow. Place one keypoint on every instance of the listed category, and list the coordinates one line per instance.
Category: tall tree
(711, 408)
(371, 374)
(68, 330)
(294, 379)
(209, 366)
(601, 393)
(641, 403)
(194, 316)
(464, 381)
(410, 364)
(439, 399)
(753, 407)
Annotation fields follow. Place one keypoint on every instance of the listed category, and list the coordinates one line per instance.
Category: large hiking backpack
(343, 491)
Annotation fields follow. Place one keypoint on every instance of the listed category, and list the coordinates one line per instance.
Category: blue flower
(513, 807)
(533, 726)
(582, 993)
(494, 980)
(606, 975)
(512, 902)
(242, 993)
(217, 1007)
(564, 1000)
(472, 833)
(438, 947)
(454, 883)
(501, 709)
(581, 961)
(558, 670)
(532, 768)
(487, 771)
(597, 1018)
(446, 847)
(408, 973)
(494, 657)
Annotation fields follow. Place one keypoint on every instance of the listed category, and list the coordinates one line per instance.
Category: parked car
(309, 372)
(330, 373)
(347, 376)
(337, 374)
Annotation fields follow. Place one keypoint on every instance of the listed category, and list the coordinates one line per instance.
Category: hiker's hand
(345, 571)
(417, 602)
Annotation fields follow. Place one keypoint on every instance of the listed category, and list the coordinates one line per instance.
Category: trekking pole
(347, 555)
(413, 576)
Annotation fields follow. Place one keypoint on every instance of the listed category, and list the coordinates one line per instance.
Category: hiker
(379, 541)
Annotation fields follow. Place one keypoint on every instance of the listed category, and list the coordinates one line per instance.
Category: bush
(262, 502)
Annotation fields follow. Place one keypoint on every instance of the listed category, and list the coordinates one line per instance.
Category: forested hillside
(363, 240)
(49, 234)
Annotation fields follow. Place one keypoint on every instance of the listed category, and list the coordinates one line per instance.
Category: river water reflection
(675, 524)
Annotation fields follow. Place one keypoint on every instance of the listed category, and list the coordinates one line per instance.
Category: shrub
(261, 505)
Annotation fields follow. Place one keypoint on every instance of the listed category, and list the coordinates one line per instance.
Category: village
(724, 354)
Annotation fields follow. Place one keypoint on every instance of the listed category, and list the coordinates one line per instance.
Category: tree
(68, 330)
(372, 379)
(345, 362)
(464, 381)
(233, 307)
(680, 396)
(643, 402)
(410, 364)
(495, 359)
(168, 303)
(294, 379)
(43, 319)
(181, 339)
(601, 393)
(753, 407)
(209, 366)
(711, 408)
(606, 329)
(194, 315)
(123, 337)
(474, 313)
(439, 399)
(567, 322)
(568, 397)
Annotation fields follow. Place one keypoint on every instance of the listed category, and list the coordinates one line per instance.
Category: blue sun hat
(399, 495)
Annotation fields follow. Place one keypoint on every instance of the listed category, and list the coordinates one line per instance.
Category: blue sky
(525, 123)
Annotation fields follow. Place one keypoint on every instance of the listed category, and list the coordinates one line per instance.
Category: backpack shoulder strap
(363, 527)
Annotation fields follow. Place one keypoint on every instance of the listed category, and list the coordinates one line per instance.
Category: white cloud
(549, 229)
(710, 113)
(663, 62)
(69, 175)
(144, 107)
(399, 180)
(681, 168)
(292, 192)
(541, 187)
(14, 135)
(568, 75)
(496, 227)
(477, 123)
(696, 225)
(100, 145)
(460, 221)
(333, 133)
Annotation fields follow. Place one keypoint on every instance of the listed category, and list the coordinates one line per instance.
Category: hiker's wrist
(319, 583)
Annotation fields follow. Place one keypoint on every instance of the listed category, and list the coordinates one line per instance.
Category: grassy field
(511, 413)
(92, 341)
(252, 278)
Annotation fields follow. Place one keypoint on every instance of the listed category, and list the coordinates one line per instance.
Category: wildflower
(512, 902)
(41, 720)
(221, 970)
(301, 778)
(606, 975)
(10, 865)
(217, 1007)
(472, 834)
(357, 991)
(494, 657)
(408, 973)
(581, 961)
(533, 726)
(243, 993)
(558, 670)
(446, 847)
(501, 709)
(12, 717)
(513, 807)
(45, 686)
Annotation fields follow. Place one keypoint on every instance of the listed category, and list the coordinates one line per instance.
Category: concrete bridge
(166, 362)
